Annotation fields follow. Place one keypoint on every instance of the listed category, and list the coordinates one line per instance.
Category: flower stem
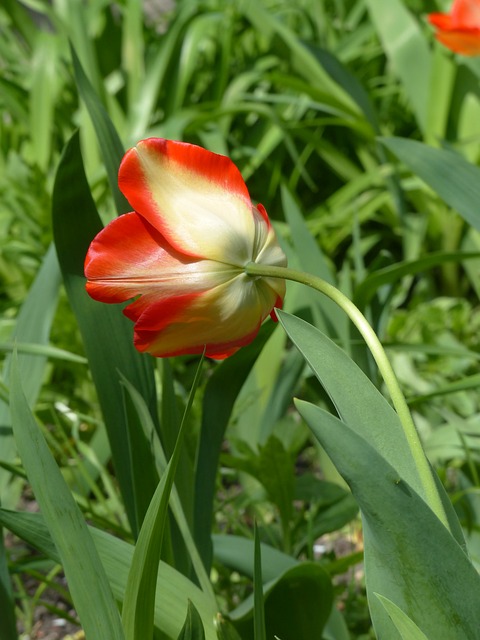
(373, 343)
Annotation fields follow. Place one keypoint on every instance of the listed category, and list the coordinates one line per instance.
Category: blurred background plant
(305, 98)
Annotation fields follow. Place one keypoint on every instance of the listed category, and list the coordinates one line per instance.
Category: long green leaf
(107, 336)
(407, 49)
(259, 632)
(301, 56)
(298, 604)
(86, 577)
(8, 625)
(313, 261)
(220, 394)
(110, 145)
(193, 627)
(138, 608)
(361, 405)
(175, 502)
(33, 325)
(172, 588)
(388, 275)
(404, 625)
(453, 178)
(410, 557)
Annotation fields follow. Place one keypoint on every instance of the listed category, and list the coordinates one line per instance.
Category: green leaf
(107, 336)
(405, 626)
(193, 627)
(388, 275)
(275, 470)
(407, 50)
(160, 458)
(220, 394)
(313, 261)
(259, 632)
(138, 608)
(86, 578)
(411, 558)
(8, 625)
(298, 604)
(302, 59)
(111, 147)
(349, 83)
(453, 178)
(42, 102)
(33, 325)
(237, 553)
(172, 588)
(360, 405)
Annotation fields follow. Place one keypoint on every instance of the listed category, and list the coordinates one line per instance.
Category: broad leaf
(410, 557)
(361, 406)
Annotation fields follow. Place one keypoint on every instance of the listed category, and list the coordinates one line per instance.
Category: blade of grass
(84, 571)
(173, 589)
(8, 626)
(110, 145)
(404, 625)
(42, 102)
(259, 632)
(453, 178)
(388, 275)
(175, 502)
(220, 394)
(139, 603)
(33, 325)
(302, 58)
(193, 627)
(407, 49)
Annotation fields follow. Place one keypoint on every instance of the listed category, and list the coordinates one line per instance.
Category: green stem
(398, 399)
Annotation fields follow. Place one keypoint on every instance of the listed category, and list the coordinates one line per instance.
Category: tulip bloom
(459, 30)
(182, 253)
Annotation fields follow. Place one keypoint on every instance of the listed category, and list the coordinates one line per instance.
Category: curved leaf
(453, 178)
(410, 557)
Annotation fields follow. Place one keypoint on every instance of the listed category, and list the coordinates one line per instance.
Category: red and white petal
(465, 42)
(442, 21)
(224, 319)
(197, 199)
(466, 14)
(130, 257)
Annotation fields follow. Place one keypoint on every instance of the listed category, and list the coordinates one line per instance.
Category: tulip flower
(459, 30)
(182, 253)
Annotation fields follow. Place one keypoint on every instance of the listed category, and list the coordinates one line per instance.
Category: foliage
(359, 133)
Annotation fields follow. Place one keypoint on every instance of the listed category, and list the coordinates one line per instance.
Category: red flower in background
(182, 253)
(459, 30)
